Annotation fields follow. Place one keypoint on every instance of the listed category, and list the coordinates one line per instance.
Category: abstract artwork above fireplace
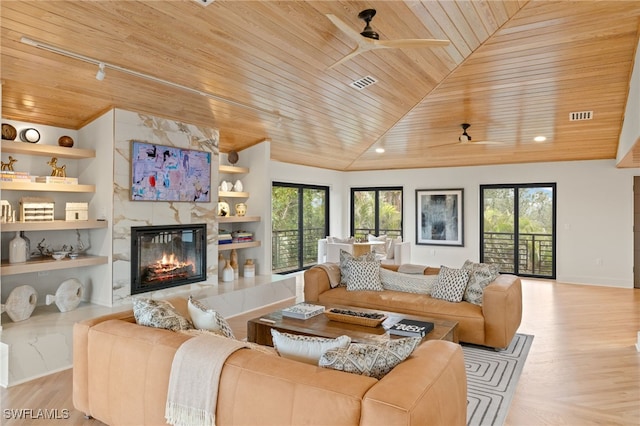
(167, 256)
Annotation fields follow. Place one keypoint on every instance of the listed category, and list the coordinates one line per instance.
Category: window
(300, 217)
(376, 211)
(518, 228)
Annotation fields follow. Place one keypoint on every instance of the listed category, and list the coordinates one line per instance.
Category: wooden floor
(583, 367)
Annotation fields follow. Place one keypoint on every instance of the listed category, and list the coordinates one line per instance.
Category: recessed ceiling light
(540, 138)
(379, 150)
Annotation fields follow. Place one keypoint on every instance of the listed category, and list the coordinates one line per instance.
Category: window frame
(377, 190)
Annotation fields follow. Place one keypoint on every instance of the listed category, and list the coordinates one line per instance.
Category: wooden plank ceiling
(514, 70)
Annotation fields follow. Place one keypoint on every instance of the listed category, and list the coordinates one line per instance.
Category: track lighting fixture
(464, 137)
(100, 74)
(103, 65)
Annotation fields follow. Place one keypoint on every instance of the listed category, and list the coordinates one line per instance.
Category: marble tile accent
(43, 344)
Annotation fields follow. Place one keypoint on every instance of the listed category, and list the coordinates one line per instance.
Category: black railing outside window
(285, 249)
(535, 252)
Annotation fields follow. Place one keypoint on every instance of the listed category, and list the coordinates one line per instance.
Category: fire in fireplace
(167, 256)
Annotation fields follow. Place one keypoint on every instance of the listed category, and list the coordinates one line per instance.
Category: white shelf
(49, 264)
(233, 170)
(16, 147)
(224, 247)
(233, 194)
(238, 219)
(55, 225)
(46, 187)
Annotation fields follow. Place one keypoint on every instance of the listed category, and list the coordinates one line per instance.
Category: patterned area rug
(492, 377)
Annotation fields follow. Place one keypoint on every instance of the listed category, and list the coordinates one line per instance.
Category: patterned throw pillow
(364, 276)
(205, 318)
(481, 275)
(345, 256)
(159, 314)
(451, 284)
(307, 349)
(369, 359)
(408, 283)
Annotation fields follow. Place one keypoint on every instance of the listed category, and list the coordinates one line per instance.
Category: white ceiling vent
(363, 82)
(580, 116)
(204, 2)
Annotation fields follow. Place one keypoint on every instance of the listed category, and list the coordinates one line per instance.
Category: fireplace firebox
(167, 256)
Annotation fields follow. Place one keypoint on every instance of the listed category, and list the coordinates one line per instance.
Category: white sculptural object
(20, 303)
(68, 295)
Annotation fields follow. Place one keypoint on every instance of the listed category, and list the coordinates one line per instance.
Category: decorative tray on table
(367, 319)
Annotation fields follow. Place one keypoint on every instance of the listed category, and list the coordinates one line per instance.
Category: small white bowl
(73, 255)
(58, 255)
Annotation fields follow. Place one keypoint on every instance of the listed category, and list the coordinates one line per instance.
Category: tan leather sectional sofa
(121, 374)
(493, 324)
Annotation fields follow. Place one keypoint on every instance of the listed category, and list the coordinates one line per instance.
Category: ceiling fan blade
(355, 52)
(485, 143)
(411, 43)
(345, 28)
(445, 144)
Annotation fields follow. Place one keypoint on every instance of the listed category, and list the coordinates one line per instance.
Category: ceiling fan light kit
(464, 137)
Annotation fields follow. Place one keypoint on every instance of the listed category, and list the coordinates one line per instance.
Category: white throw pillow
(205, 318)
(349, 240)
(391, 250)
(379, 248)
(408, 283)
(307, 349)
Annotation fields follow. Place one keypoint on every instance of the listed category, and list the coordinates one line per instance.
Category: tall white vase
(17, 249)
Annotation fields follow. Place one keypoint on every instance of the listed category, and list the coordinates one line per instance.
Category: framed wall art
(168, 173)
(439, 217)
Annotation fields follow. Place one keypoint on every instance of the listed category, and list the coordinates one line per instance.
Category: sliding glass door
(518, 228)
(300, 217)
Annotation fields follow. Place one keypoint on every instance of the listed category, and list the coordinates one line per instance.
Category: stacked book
(57, 179)
(242, 236)
(11, 176)
(411, 328)
(302, 311)
(224, 237)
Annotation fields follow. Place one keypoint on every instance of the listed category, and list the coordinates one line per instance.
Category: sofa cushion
(374, 360)
(451, 284)
(306, 349)
(380, 249)
(205, 318)
(481, 275)
(364, 276)
(409, 283)
(391, 249)
(345, 256)
(159, 314)
(349, 240)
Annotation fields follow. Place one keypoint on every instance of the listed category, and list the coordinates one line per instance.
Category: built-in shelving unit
(235, 170)
(45, 263)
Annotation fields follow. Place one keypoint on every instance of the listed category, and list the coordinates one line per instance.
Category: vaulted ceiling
(259, 70)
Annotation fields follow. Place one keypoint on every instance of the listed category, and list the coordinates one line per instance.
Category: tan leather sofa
(121, 374)
(493, 324)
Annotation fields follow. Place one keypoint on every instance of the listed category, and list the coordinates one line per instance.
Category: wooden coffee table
(259, 329)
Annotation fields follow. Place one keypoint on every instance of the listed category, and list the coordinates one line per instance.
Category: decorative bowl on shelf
(73, 255)
(58, 255)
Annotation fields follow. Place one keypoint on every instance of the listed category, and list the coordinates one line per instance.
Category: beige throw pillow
(307, 349)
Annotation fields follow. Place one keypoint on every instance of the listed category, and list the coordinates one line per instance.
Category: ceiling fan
(368, 39)
(465, 139)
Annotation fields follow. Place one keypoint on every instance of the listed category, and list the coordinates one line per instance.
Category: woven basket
(367, 322)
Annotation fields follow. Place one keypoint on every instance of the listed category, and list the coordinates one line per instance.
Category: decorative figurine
(8, 166)
(57, 171)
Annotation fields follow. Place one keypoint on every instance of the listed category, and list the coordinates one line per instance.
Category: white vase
(249, 269)
(227, 272)
(28, 243)
(17, 249)
(238, 186)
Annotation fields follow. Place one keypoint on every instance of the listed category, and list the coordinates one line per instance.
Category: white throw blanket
(194, 379)
(333, 272)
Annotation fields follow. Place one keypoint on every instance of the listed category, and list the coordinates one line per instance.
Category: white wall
(594, 211)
